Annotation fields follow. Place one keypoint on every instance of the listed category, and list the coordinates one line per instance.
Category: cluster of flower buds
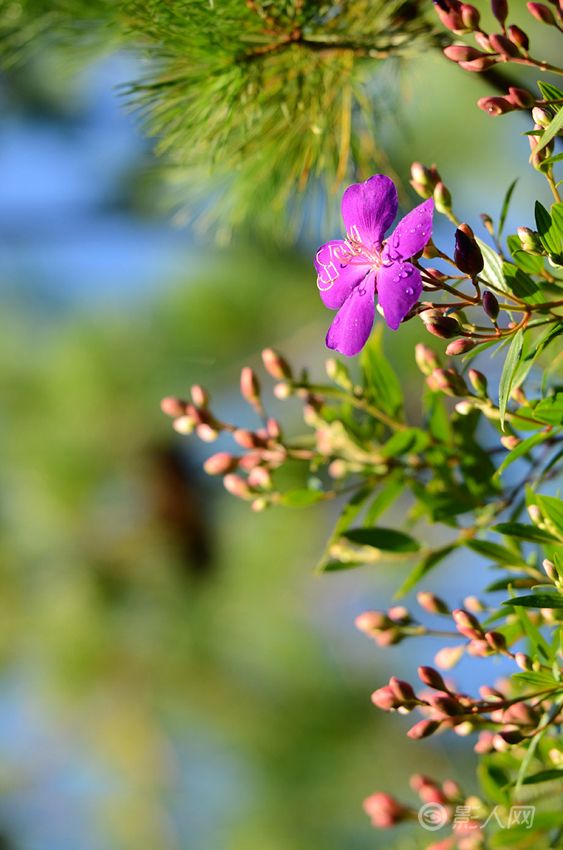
(502, 721)
(388, 628)
(509, 45)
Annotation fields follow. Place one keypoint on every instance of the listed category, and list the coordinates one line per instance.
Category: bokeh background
(172, 673)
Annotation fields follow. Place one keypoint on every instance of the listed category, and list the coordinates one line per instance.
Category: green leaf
(522, 449)
(402, 442)
(301, 498)
(552, 510)
(505, 206)
(385, 539)
(509, 373)
(543, 776)
(548, 232)
(336, 566)
(552, 130)
(524, 532)
(383, 500)
(495, 552)
(549, 91)
(537, 600)
(548, 411)
(382, 386)
(423, 568)
(492, 269)
(518, 282)
(557, 215)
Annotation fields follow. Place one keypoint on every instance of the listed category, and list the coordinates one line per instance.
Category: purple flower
(351, 271)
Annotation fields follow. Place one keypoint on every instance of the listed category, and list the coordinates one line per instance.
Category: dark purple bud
(490, 304)
(444, 327)
(521, 98)
(467, 254)
(423, 729)
(470, 16)
(511, 736)
(541, 13)
(501, 44)
(495, 105)
(518, 37)
(429, 676)
(500, 10)
(462, 53)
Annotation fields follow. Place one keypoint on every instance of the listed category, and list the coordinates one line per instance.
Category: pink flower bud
(248, 439)
(461, 53)
(237, 486)
(206, 432)
(483, 41)
(371, 621)
(518, 37)
(449, 382)
(220, 463)
(496, 641)
(466, 623)
(399, 614)
(524, 661)
(501, 44)
(282, 391)
(478, 381)
(484, 743)
(448, 656)
(384, 810)
(429, 676)
(432, 603)
(183, 425)
(473, 604)
(423, 729)
(452, 790)
(479, 65)
(550, 570)
(521, 98)
(470, 16)
(386, 699)
(446, 705)
(459, 346)
(173, 406)
(491, 694)
(541, 13)
(276, 365)
(426, 359)
(402, 690)
(200, 396)
(496, 105)
(249, 385)
(478, 648)
(442, 197)
(260, 478)
(444, 327)
(500, 10)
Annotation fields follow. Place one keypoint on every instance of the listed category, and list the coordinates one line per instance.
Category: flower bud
(541, 117)
(470, 16)
(259, 478)
(429, 676)
(237, 486)
(449, 12)
(501, 44)
(386, 699)
(462, 53)
(467, 254)
(445, 704)
(464, 408)
(484, 743)
(541, 13)
(449, 382)
(490, 304)
(478, 381)
(442, 198)
(399, 614)
(423, 729)
(220, 463)
(500, 10)
(496, 641)
(518, 37)
(496, 105)
(173, 406)
(550, 570)
(521, 98)
(206, 432)
(510, 735)
(371, 621)
(183, 425)
(248, 439)
(448, 656)
(384, 811)
(483, 41)
(459, 346)
(524, 662)
(249, 386)
(444, 327)
(282, 390)
(402, 690)
(275, 365)
(466, 623)
(432, 603)
(426, 359)
(273, 428)
(200, 396)
(338, 373)
(479, 65)
(529, 240)
(423, 180)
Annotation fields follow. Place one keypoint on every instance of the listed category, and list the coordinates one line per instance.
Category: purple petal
(399, 287)
(411, 234)
(338, 272)
(352, 324)
(369, 209)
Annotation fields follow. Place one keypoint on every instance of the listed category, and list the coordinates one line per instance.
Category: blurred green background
(173, 675)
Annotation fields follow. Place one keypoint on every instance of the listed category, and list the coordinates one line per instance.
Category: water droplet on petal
(408, 290)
